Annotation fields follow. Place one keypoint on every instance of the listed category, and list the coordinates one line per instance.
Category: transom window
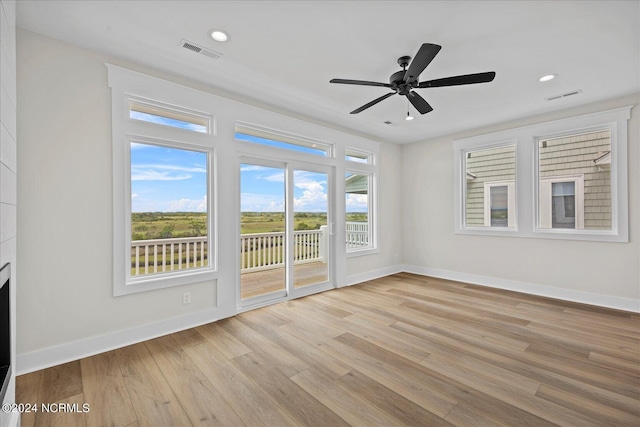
(154, 112)
(271, 138)
(358, 156)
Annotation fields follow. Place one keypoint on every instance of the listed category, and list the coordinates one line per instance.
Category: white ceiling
(283, 53)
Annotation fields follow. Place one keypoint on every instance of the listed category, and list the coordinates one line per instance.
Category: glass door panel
(263, 258)
(310, 228)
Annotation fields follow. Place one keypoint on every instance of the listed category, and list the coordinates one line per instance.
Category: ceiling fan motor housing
(399, 85)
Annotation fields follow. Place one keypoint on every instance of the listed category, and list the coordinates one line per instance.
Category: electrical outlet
(186, 298)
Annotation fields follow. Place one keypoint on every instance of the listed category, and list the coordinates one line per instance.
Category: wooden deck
(263, 282)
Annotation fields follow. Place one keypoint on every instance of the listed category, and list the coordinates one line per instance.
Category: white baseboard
(63, 353)
(619, 303)
(371, 275)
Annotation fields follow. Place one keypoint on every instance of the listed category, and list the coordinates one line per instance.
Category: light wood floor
(401, 350)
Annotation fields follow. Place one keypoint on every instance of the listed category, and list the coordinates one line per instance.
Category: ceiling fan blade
(421, 105)
(358, 82)
(467, 79)
(425, 55)
(372, 103)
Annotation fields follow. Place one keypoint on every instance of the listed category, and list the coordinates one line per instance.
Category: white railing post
(323, 244)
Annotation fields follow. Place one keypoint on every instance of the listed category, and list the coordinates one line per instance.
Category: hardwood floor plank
(248, 400)
(303, 351)
(60, 382)
(70, 416)
(202, 402)
(274, 354)
(349, 406)
(590, 408)
(429, 393)
(394, 405)
(229, 345)
(105, 391)
(27, 390)
(298, 403)
(448, 347)
(152, 397)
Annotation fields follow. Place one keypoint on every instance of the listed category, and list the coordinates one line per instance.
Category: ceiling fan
(403, 82)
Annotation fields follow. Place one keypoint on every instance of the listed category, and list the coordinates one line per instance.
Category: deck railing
(357, 234)
(259, 251)
(262, 251)
(160, 255)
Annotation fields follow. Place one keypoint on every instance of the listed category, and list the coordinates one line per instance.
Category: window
(163, 176)
(575, 181)
(564, 179)
(150, 112)
(562, 202)
(358, 216)
(358, 156)
(490, 187)
(499, 204)
(169, 209)
(259, 135)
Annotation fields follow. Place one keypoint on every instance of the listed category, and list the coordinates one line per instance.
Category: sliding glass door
(285, 233)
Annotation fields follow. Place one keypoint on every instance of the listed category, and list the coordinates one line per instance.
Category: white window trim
(128, 85)
(545, 198)
(526, 139)
(511, 202)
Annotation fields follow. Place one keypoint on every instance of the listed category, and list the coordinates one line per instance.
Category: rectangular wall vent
(564, 95)
(199, 49)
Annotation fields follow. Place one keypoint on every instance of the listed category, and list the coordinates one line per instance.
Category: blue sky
(167, 179)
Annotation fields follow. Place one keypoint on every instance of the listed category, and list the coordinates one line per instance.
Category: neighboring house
(574, 184)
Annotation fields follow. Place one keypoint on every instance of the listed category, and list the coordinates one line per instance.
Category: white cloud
(314, 195)
(188, 205)
(158, 172)
(253, 202)
(357, 202)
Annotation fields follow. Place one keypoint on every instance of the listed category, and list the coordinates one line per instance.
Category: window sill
(362, 252)
(163, 280)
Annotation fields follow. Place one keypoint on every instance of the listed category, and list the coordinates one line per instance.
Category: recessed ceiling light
(219, 35)
(547, 77)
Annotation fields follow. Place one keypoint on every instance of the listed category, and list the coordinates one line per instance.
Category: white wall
(594, 272)
(8, 174)
(66, 307)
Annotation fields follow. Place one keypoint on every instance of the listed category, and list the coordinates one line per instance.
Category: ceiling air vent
(199, 49)
(564, 95)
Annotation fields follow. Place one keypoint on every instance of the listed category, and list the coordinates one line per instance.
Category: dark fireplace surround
(5, 331)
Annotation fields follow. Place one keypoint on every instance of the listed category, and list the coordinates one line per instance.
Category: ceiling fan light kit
(405, 81)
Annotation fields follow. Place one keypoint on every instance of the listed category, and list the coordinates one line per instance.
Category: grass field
(163, 225)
